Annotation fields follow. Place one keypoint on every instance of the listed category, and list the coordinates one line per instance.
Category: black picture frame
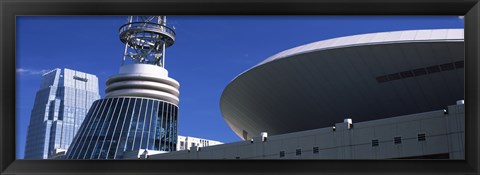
(9, 9)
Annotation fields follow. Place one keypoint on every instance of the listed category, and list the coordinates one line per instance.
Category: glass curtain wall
(122, 124)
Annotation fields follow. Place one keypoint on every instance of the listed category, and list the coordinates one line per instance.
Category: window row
(298, 152)
(398, 140)
(375, 143)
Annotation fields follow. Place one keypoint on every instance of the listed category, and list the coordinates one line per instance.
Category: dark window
(406, 74)
(421, 137)
(282, 153)
(237, 157)
(315, 150)
(433, 69)
(298, 152)
(419, 72)
(382, 79)
(80, 78)
(397, 140)
(394, 76)
(374, 142)
(459, 64)
(181, 143)
(448, 66)
(245, 134)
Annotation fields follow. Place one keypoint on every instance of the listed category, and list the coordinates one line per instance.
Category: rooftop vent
(264, 136)
(349, 121)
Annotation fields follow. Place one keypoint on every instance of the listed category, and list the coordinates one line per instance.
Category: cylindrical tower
(140, 109)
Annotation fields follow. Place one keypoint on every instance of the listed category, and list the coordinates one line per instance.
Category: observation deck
(146, 34)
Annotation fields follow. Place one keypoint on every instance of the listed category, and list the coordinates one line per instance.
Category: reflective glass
(95, 131)
(146, 126)
(84, 140)
(126, 124)
(133, 125)
(124, 130)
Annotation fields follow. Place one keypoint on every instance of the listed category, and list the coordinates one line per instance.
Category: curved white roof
(372, 39)
(364, 77)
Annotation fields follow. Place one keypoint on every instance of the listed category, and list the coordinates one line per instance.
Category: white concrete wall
(199, 142)
(444, 134)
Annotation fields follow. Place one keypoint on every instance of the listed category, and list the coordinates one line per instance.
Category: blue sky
(208, 53)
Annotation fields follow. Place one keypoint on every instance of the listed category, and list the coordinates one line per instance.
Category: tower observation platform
(140, 108)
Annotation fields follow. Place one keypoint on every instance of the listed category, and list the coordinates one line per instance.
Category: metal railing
(148, 26)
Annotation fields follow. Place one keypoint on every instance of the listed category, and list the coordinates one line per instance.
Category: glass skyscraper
(60, 107)
(140, 108)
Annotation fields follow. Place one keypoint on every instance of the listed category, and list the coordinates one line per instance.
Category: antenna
(145, 39)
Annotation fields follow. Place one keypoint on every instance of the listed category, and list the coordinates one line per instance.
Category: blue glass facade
(117, 125)
(59, 109)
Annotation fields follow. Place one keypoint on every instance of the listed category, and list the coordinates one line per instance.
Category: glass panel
(112, 135)
(164, 129)
(168, 128)
(158, 138)
(146, 124)
(79, 146)
(175, 122)
(101, 131)
(133, 125)
(85, 124)
(86, 139)
(139, 130)
(153, 123)
(95, 131)
(122, 135)
(158, 118)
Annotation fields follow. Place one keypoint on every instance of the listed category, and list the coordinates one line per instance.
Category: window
(244, 134)
(397, 140)
(420, 71)
(459, 64)
(298, 152)
(433, 69)
(315, 150)
(394, 76)
(193, 144)
(282, 153)
(382, 79)
(181, 143)
(374, 142)
(406, 74)
(448, 66)
(421, 137)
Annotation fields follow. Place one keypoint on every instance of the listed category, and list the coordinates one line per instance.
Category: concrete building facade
(436, 134)
(186, 142)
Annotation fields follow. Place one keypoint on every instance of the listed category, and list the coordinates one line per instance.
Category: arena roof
(363, 77)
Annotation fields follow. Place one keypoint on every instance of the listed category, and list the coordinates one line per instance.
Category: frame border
(10, 9)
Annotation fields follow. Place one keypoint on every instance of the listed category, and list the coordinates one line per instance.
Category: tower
(60, 106)
(140, 108)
